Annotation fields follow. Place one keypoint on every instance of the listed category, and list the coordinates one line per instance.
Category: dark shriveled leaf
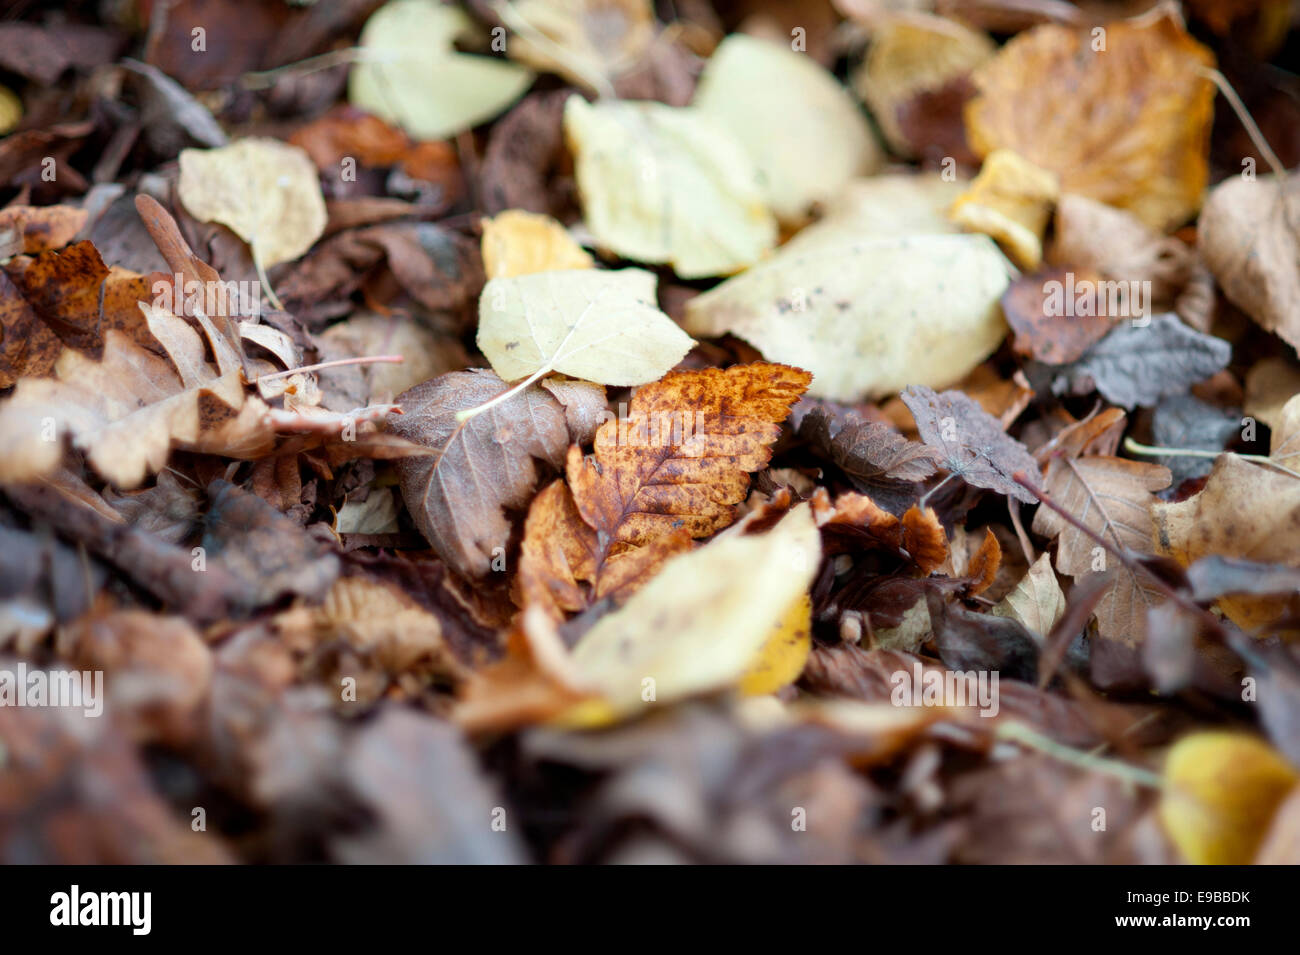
(969, 441)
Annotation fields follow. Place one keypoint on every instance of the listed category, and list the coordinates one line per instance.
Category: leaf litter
(550, 432)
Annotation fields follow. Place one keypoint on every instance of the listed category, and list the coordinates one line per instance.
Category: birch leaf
(265, 190)
(520, 243)
(801, 128)
(661, 184)
(413, 76)
(700, 624)
(595, 325)
(866, 315)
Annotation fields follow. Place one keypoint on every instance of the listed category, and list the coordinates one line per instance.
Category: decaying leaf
(1246, 510)
(667, 185)
(969, 441)
(1138, 364)
(1249, 236)
(911, 55)
(672, 470)
(586, 323)
(263, 189)
(412, 75)
(804, 133)
(1112, 497)
(879, 459)
(1127, 123)
(867, 315)
(1037, 601)
(458, 494)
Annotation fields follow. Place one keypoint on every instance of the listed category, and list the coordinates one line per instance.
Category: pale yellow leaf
(802, 129)
(667, 185)
(264, 190)
(595, 325)
(412, 75)
(519, 243)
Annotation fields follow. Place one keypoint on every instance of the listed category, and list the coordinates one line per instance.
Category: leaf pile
(597, 431)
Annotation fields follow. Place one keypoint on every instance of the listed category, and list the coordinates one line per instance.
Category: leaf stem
(466, 414)
(1019, 733)
(336, 363)
(1136, 447)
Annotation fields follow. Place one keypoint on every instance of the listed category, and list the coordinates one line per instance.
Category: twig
(1019, 733)
(1136, 447)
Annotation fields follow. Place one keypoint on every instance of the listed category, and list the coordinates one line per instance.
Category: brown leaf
(1111, 496)
(1127, 125)
(1052, 338)
(673, 470)
(879, 459)
(1249, 236)
(458, 496)
(969, 441)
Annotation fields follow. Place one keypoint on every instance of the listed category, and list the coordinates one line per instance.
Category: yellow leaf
(520, 243)
(412, 75)
(866, 314)
(667, 185)
(266, 191)
(11, 110)
(781, 659)
(1010, 200)
(701, 622)
(805, 134)
(1222, 790)
(596, 325)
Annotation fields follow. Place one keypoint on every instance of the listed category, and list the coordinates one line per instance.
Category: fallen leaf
(1138, 364)
(1112, 497)
(1222, 790)
(1010, 201)
(1037, 601)
(1244, 511)
(867, 315)
(1127, 124)
(781, 658)
(913, 54)
(1249, 236)
(588, 42)
(596, 325)
(667, 185)
(970, 442)
(266, 191)
(1270, 384)
(1187, 422)
(516, 242)
(701, 621)
(672, 470)
(880, 461)
(43, 228)
(458, 495)
(412, 75)
(1090, 235)
(805, 135)
(1045, 331)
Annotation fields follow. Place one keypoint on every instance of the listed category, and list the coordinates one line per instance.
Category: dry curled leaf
(1112, 497)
